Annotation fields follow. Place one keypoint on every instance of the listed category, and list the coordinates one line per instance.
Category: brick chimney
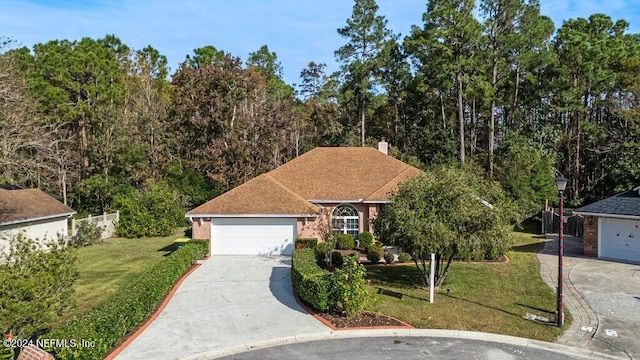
(383, 146)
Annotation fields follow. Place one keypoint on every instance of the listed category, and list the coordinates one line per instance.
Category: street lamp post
(561, 183)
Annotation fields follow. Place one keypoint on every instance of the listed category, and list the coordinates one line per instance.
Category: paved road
(603, 295)
(407, 348)
(228, 300)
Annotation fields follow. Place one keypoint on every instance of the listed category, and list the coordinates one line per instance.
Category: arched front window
(344, 220)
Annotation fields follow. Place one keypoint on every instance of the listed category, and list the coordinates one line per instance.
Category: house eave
(351, 201)
(20, 221)
(618, 216)
(197, 216)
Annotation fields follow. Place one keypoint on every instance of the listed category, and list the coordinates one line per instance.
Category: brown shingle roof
(261, 195)
(322, 174)
(341, 173)
(24, 205)
(388, 188)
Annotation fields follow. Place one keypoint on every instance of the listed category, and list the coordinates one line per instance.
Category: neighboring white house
(612, 227)
(31, 211)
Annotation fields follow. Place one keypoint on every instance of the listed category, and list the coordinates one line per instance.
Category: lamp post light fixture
(561, 184)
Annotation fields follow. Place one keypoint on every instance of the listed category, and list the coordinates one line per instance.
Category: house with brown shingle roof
(34, 213)
(326, 190)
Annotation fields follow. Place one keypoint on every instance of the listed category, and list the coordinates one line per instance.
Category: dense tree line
(490, 82)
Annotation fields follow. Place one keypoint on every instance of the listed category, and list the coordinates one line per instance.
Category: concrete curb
(457, 334)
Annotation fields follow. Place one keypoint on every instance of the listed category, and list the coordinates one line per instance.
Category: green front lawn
(105, 267)
(487, 297)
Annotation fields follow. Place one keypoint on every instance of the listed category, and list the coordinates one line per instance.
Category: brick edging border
(115, 352)
(332, 327)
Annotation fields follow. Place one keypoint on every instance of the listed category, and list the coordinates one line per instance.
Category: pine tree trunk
(362, 123)
(492, 118)
(460, 115)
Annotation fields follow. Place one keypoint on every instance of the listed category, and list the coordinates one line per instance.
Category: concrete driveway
(227, 301)
(603, 295)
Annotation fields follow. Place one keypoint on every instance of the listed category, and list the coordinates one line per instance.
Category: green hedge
(404, 257)
(303, 243)
(375, 253)
(310, 281)
(345, 242)
(130, 306)
(366, 239)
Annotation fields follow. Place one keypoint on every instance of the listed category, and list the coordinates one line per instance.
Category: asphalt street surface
(406, 348)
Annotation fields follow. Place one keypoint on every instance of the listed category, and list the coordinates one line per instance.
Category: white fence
(107, 222)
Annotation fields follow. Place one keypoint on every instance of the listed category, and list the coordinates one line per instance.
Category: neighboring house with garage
(325, 190)
(612, 227)
(32, 212)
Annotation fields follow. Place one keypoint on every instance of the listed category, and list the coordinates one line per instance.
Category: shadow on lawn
(406, 276)
(397, 295)
(537, 309)
(481, 304)
(529, 248)
(168, 250)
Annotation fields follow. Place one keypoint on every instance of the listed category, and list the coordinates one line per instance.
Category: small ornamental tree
(450, 212)
(36, 285)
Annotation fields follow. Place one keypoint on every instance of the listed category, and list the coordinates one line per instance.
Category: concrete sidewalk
(228, 300)
(601, 295)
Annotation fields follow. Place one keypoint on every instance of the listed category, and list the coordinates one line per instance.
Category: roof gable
(29, 204)
(626, 203)
(260, 195)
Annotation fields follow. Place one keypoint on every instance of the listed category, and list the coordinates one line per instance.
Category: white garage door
(619, 239)
(268, 236)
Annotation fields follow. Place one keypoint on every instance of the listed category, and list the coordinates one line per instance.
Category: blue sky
(299, 31)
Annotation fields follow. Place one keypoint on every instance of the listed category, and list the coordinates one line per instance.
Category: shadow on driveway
(281, 287)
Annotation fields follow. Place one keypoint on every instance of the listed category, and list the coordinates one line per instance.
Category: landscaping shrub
(6, 352)
(388, 257)
(303, 243)
(36, 285)
(336, 259)
(309, 280)
(348, 288)
(366, 239)
(375, 253)
(404, 257)
(130, 306)
(345, 242)
(87, 233)
(322, 249)
(156, 211)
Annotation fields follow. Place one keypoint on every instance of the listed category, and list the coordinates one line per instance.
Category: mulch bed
(366, 319)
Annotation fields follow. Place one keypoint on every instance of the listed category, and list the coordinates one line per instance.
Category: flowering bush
(349, 287)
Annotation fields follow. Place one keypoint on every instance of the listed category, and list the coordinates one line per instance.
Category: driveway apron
(229, 300)
(602, 296)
